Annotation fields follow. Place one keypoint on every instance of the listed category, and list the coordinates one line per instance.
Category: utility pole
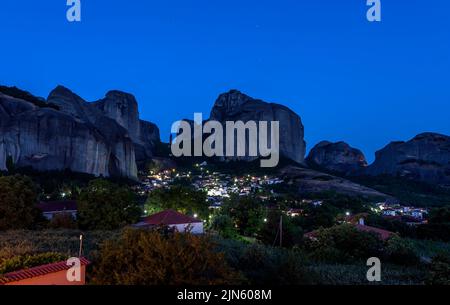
(81, 246)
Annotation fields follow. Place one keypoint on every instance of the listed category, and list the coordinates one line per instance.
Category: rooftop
(37, 271)
(169, 217)
(57, 206)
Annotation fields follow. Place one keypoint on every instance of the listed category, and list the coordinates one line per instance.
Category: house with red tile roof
(174, 220)
(52, 208)
(360, 226)
(49, 274)
(382, 234)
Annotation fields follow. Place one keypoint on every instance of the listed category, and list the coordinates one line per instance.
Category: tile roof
(37, 271)
(169, 217)
(383, 234)
(57, 206)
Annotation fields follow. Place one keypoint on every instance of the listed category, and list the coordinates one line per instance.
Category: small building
(389, 212)
(52, 208)
(417, 214)
(294, 212)
(382, 234)
(49, 274)
(172, 219)
(360, 226)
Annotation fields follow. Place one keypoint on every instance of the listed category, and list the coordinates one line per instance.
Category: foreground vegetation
(242, 246)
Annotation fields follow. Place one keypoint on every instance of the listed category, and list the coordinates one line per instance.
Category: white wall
(195, 228)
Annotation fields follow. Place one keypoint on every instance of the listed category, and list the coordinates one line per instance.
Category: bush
(344, 244)
(269, 234)
(106, 206)
(246, 212)
(224, 225)
(18, 197)
(180, 198)
(142, 257)
(14, 243)
(401, 251)
(439, 273)
(263, 265)
(28, 261)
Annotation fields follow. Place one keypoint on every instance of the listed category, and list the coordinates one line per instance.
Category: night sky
(365, 83)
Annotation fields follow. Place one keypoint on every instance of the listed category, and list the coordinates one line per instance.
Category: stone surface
(426, 157)
(337, 157)
(308, 181)
(123, 108)
(101, 138)
(236, 106)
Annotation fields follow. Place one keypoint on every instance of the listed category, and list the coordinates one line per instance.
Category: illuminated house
(52, 208)
(172, 219)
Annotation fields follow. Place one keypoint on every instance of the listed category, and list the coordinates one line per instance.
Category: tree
(323, 216)
(270, 235)
(145, 257)
(344, 243)
(401, 251)
(18, 198)
(180, 198)
(441, 215)
(439, 273)
(106, 206)
(246, 212)
(224, 225)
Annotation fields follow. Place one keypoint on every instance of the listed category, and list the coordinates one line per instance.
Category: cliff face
(426, 157)
(123, 108)
(74, 134)
(46, 139)
(337, 157)
(236, 106)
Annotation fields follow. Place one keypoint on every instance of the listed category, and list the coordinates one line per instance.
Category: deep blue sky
(348, 79)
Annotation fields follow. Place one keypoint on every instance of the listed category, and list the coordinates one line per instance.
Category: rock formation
(123, 108)
(236, 106)
(307, 181)
(336, 157)
(426, 157)
(97, 138)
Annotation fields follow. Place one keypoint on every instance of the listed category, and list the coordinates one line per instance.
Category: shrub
(106, 206)
(439, 273)
(142, 257)
(223, 224)
(263, 265)
(401, 251)
(344, 243)
(18, 197)
(28, 261)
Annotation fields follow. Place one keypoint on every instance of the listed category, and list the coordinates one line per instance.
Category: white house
(173, 219)
(52, 208)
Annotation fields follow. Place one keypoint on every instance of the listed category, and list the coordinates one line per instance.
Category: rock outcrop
(100, 138)
(307, 181)
(123, 108)
(236, 106)
(336, 157)
(426, 158)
